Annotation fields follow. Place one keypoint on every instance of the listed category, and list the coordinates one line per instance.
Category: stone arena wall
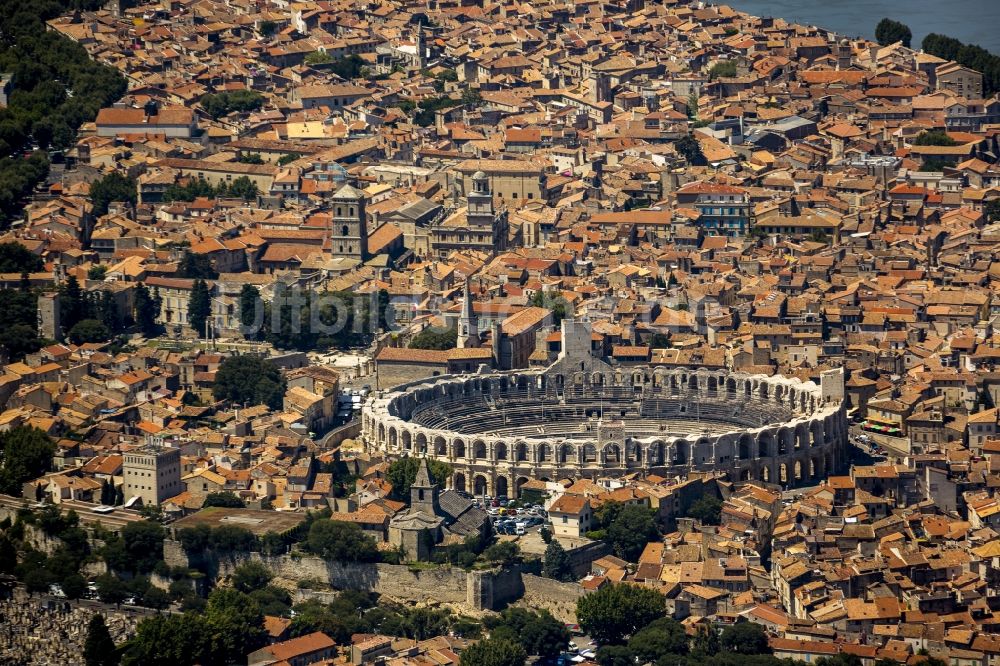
(496, 432)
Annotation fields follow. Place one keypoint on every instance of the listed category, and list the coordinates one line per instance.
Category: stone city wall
(476, 590)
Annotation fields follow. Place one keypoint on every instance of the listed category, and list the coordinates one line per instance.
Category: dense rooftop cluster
(297, 207)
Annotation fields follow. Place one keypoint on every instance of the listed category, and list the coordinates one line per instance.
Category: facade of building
(152, 474)
(349, 225)
(724, 210)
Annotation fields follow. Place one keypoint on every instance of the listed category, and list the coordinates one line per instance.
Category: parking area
(510, 517)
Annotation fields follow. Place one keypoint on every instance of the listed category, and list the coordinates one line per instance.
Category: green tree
(615, 655)
(934, 138)
(505, 553)
(249, 380)
(8, 554)
(745, 638)
(189, 190)
(251, 309)
(243, 188)
(631, 530)
(89, 330)
(433, 338)
(142, 541)
(237, 623)
(340, 541)
(403, 472)
(318, 58)
(705, 642)
(199, 306)
(558, 304)
(154, 597)
(111, 188)
(16, 258)
(616, 612)
(232, 539)
(226, 498)
(312, 616)
(250, 158)
(251, 576)
(722, 69)
(889, 32)
(73, 585)
(240, 101)
(692, 105)
(110, 588)
(689, 148)
(556, 562)
(99, 648)
(194, 266)
(171, 639)
(26, 454)
(707, 509)
(471, 97)
(97, 272)
(658, 639)
(107, 493)
(147, 310)
(493, 652)
(992, 210)
(538, 632)
(74, 303)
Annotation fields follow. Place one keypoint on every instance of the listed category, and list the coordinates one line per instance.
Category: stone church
(434, 518)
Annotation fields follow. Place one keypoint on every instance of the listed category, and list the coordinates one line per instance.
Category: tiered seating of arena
(529, 412)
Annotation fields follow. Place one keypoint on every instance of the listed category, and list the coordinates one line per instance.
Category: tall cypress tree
(249, 302)
(74, 305)
(147, 309)
(199, 306)
(99, 649)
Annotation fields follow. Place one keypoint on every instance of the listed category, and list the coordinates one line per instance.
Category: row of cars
(91, 594)
(506, 515)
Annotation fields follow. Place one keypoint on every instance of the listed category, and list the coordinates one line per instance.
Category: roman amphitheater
(582, 418)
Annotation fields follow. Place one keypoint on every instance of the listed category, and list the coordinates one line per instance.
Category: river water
(971, 21)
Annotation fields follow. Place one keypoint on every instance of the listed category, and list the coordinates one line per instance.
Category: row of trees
(110, 188)
(630, 624)
(40, 111)
(305, 320)
(968, 55)
(423, 111)
(19, 334)
(242, 101)
(193, 188)
(88, 316)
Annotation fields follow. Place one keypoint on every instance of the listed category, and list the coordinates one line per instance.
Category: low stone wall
(475, 590)
(551, 595)
(336, 436)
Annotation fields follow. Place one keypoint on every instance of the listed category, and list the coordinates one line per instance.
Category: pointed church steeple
(468, 325)
(424, 492)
